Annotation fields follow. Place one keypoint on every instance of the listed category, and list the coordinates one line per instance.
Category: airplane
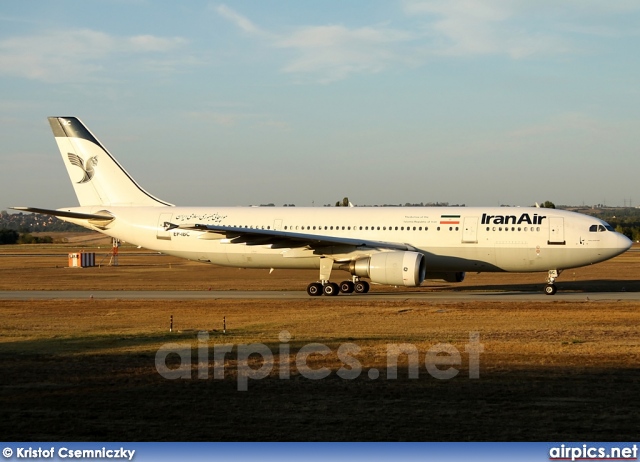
(397, 246)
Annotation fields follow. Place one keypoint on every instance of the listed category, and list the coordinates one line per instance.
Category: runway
(302, 295)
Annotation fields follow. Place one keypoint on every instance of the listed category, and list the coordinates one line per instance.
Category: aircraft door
(277, 225)
(163, 231)
(556, 231)
(470, 230)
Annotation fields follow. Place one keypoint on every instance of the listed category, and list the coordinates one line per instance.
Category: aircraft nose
(622, 243)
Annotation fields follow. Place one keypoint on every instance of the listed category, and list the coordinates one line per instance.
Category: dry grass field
(85, 369)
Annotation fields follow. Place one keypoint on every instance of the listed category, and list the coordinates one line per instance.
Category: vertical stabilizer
(97, 178)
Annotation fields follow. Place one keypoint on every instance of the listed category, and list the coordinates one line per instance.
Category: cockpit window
(601, 228)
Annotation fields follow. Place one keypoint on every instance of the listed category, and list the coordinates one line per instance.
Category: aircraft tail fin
(97, 178)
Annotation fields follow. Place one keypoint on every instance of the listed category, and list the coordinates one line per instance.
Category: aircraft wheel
(550, 289)
(347, 287)
(361, 287)
(331, 289)
(314, 289)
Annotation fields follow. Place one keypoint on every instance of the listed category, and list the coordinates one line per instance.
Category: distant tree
(26, 238)
(343, 203)
(548, 205)
(31, 239)
(8, 236)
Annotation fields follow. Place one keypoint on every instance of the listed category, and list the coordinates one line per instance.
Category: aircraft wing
(287, 239)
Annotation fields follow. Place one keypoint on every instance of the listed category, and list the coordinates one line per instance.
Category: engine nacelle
(447, 277)
(393, 268)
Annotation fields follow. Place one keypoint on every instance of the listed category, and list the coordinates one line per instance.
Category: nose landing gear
(550, 288)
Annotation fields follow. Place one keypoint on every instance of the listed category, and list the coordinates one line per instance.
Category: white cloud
(240, 21)
(472, 27)
(517, 29)
(332, 52)
(73, 55)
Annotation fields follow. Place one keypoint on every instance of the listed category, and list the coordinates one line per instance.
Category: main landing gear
(550, 288)
(331, 289)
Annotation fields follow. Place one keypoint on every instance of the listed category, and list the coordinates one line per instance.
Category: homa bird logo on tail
(87, 168)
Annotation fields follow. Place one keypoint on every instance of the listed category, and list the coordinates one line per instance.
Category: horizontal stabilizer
(66, 213)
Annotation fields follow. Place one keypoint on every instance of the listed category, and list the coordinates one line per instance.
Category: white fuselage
(451, 239)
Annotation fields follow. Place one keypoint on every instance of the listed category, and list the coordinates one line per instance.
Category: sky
(476, 102)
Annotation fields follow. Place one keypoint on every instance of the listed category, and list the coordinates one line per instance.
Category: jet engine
(392, 268)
